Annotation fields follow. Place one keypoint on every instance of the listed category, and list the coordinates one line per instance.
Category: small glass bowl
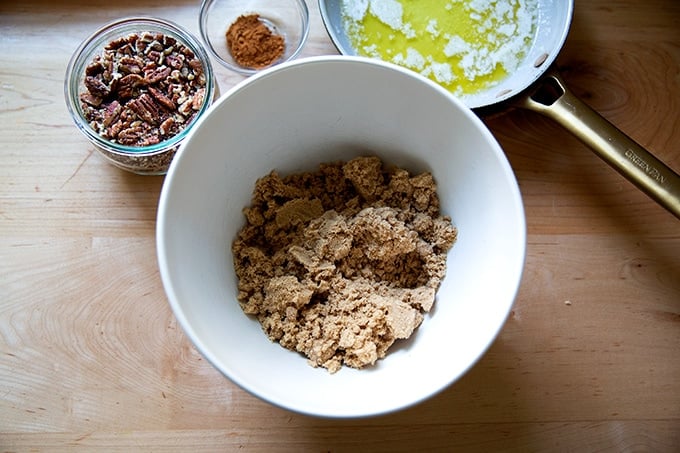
(287, 18)
(152, 159)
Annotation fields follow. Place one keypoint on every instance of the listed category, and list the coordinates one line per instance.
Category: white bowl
(291, 118)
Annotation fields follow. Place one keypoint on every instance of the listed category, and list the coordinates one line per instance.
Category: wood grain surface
(92, 358)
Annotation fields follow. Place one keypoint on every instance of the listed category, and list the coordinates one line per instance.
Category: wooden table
(91, 357)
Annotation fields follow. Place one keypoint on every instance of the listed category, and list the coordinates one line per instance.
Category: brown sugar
(252, 43)
(339, 263)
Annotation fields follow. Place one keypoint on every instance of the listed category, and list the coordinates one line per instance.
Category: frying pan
(535, 85)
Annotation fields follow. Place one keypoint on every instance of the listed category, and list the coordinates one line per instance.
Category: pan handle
(550, 97)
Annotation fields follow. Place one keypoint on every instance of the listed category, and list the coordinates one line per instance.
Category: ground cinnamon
(252, 43)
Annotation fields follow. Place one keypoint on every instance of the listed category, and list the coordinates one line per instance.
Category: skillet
(535, 85)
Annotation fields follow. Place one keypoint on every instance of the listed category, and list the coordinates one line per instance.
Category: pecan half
(168, 41)
(185, 108)
(89, 99)
(96, 87)
(174, 61)
(154, 55)
(117, 43)
(162, 99)
(130, 65)
(146, 109)
(113, 130)
(197, 101)
(95, 68)
(196, 65)
(131, 136)
(127, 85)
(167, 126)
(156, 75)
(137, 136)
(112, 113)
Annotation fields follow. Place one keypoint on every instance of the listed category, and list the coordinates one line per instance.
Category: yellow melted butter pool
(464, 45)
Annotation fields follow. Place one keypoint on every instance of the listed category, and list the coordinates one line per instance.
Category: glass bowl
(288, 19)
(135, 88)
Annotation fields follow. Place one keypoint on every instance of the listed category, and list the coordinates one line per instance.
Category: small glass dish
(288, 19)
(135, 88)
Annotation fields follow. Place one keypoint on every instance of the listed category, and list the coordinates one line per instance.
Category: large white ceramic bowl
(291, 118)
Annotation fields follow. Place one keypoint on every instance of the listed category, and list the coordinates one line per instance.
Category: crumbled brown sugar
(339, 263)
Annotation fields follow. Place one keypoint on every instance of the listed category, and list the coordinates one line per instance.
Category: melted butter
(466, 46)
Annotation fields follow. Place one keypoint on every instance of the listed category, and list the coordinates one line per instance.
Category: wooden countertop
(91, 357)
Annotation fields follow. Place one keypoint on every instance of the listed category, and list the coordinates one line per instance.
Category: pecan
(126, 49)
(96, 87)
(146, 109)
(95, 68)
(162, 99)
(150, 66)
(114, 83)
(168, 41)
(188, 52)
(127, 85)
(130, 65)
(116, 43)
(89, 99)
(197, 101)
(140, 46)
(185, 107)
(151, 140)
(132, 136)
(113, 130)
(196, 65)
(157, 75)
(134, 80)
(147, 37)
(174, 61)
(166, 126)
(155, 56)
(112, 113)
(155, 45)
(175, 76)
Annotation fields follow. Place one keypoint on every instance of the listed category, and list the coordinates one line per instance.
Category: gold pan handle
(551, 98)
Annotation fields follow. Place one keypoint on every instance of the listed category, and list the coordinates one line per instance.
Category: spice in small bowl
(252, 43)
(243, 40)
(135, 88)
